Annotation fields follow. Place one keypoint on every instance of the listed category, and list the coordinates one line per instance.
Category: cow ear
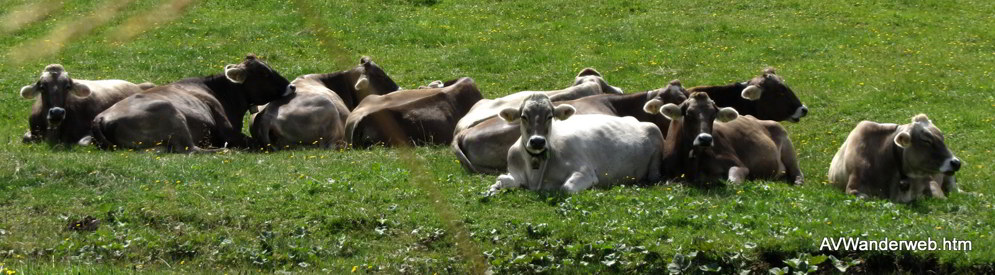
(672, 111)
(362, 84)
(752, 92)
(29, 92)
(903, 139)
(510, 115)
(727, 114)
(653, 106)
(564, 111)
(235, 73)
(80, 90)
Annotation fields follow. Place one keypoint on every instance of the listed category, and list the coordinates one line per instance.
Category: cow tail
(463, 160)
(99, 139)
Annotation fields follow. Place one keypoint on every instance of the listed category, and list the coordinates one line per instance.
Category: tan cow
(412, 117)
(63, 112)
(736, 148)
(898, 162)
(316, 112)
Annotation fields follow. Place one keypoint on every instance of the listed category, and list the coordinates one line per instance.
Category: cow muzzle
(56, 115)
(950, 166)
(799, 113)
(703, 140)
(536, 145)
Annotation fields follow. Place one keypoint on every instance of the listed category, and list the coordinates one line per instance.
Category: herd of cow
(587, 134)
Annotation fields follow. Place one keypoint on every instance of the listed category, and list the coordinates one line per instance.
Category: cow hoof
(86, 141)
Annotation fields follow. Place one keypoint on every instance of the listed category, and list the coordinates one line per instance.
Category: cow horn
(29, 92)
(921, 118)
(752, 92)
(234, 73)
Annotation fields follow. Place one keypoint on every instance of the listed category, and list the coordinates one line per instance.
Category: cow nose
(803, 110)
(537, 143)
(56, 113)
(954, 164)
(703, 140)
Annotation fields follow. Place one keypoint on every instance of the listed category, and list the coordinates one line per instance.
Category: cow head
(379, 82)
(535, 119)
(55, 87)
(592, 75)
(260, 83)
(697, 114)
(775, 101)
(673, 93)
(924, 151)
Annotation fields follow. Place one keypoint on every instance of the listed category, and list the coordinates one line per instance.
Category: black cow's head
(378, 83)
(535, 117)
(55, 87)
(775, 101)
(261, 83)
(673, 93)
(697, 115)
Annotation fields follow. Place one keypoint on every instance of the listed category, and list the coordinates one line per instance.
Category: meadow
(388, 210)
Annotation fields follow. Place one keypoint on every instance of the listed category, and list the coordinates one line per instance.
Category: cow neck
(630, 105)
(898, 153)
(676, 150)
(341, 83)
(731, 96)
(231, 96)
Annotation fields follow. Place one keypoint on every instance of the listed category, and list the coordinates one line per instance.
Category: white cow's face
(54, 86)
(535, 119)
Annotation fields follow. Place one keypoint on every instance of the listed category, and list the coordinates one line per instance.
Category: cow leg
(950, 184)
(852, 186)
(793, 173)
(226, 135)
(935, 190)
(29, 138)
(737, 174)
(579, 182)
(503, 182)
(85, 141)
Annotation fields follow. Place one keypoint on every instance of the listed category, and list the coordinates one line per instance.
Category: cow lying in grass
(898, 162)
(192, 113)
(736, 148)
(66, 107)
(577, 153)
(316, 112)
(480, 149)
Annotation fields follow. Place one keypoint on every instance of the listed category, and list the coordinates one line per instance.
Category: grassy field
(417, 211)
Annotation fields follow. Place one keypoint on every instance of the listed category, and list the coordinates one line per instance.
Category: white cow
(577, 153)
(588, 82)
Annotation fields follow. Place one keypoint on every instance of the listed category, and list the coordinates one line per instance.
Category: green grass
(335, 211)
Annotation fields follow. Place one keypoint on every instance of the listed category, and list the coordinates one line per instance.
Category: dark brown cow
(742, 147)
(316, 112)
(63, 112)
(898, 162)
(421, 116)
(194, 112)
(765, 97)
(480, 148)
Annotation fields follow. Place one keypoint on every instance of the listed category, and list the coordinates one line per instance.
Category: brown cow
(898, 162)
(316, 112)
(63, 113)
(421, 116)
(480, 149)
(193, 112)
(743, 147)
(765, 97)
